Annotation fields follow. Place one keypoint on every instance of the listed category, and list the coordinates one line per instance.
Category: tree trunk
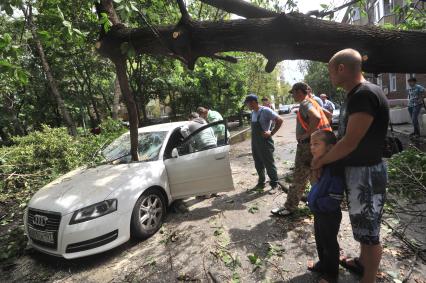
(92, 99)
(95, 109)
(144, 114)
(9, 107)
(285, 36)
(120, 66)
(116, 100)
(50, 79)
(5, 139)
(92, 119)
(104, 98)
(107, 6)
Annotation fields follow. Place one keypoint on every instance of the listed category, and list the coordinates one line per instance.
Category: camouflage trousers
(301, 176)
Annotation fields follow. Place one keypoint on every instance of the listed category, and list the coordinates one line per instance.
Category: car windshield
(148, 148)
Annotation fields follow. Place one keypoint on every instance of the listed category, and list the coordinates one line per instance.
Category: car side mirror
(175, 153)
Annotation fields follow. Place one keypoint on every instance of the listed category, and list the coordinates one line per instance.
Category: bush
(32, 162)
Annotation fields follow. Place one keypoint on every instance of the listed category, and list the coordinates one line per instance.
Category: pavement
(229, 238)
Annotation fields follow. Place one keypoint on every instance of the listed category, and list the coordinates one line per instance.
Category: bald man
(362, 131)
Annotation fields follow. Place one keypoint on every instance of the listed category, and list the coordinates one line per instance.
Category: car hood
(84, 186)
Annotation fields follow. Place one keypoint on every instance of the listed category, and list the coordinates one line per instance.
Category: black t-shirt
(368, 98)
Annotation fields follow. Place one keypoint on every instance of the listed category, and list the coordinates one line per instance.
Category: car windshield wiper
(111, 160)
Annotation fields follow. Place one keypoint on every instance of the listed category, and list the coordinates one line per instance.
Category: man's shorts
(366, 194)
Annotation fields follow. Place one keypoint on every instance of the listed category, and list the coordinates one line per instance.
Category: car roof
(162, 127)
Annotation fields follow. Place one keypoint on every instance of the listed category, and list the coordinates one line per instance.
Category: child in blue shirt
(324, 201)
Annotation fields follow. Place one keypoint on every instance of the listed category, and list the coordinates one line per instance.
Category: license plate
(42, 236)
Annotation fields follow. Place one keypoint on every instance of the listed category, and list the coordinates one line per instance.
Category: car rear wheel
(148, 214)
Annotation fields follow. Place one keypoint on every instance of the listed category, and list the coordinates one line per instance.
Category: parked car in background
(91, 210)
(284, 109)
(336, 116)
(294, 108)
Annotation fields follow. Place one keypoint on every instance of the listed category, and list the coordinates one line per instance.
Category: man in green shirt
(212, 116)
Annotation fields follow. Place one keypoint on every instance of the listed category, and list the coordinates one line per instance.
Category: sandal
(356, 267)
(281, 211)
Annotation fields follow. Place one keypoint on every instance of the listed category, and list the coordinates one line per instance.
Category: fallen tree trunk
(286, 36)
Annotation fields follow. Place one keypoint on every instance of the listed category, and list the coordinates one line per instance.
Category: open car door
(199, 164)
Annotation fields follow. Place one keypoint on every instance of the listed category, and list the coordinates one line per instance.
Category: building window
(380, 81)
(356, 15)
(407, 76)
(387, 7)
(378, 11)
(382, 8)
(392, 82)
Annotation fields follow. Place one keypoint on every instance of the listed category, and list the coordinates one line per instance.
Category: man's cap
(412, 79)
(251, 97)
(323, 95)
(299, 86)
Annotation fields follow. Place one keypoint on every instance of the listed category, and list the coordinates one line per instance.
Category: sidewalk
(405, 129)
(403, 132)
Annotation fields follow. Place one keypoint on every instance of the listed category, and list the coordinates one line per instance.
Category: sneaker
(281, 211)
(258, 188)
(273, 189)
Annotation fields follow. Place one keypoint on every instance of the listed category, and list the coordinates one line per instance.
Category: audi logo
(40, 220)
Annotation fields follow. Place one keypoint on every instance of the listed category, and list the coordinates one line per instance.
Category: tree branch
(241, 8)
(302, 38)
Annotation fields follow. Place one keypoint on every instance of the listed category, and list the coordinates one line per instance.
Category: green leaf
(67, 24)
(253, 209)
(253, 258)
(43, 34)
(22, 76)
(5, 63)
(60, 14)
(133, 7)
(235, 278)
(77, 31)
(105, 22)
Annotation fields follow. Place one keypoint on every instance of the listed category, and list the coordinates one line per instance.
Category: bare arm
(328, 114)
(358, 125)
(278, 123)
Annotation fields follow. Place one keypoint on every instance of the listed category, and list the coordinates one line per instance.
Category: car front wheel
(148, 214)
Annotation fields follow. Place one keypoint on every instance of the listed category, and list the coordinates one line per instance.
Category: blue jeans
(414, 114)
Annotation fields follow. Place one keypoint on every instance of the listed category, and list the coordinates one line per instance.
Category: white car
(91, 210)
(336, 116)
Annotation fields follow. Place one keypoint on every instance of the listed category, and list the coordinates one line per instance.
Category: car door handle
(220, 157)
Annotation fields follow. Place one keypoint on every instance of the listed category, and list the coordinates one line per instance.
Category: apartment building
(381, 12)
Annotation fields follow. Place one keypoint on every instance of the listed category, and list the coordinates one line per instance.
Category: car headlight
(94, 211)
